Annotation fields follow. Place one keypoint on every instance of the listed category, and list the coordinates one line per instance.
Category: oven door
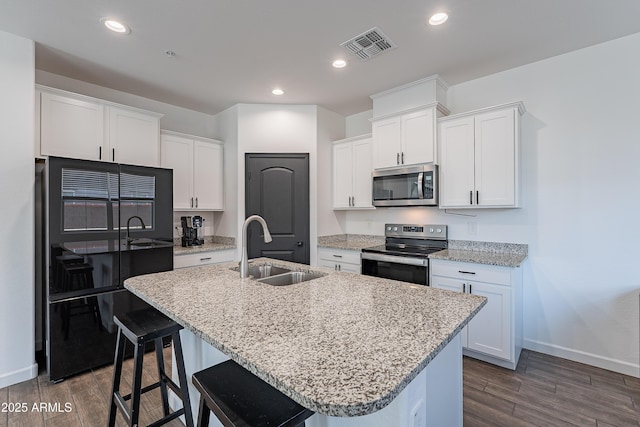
(406, 269)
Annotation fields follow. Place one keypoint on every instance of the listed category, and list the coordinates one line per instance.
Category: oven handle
(395, 259)
(420, 185)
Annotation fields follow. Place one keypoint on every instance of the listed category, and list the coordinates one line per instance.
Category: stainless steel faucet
(244, 261)
(129, 239)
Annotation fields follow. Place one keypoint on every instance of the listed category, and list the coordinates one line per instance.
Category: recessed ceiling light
(438, 18)
(339, 63)
(115, 26)
(277, 92)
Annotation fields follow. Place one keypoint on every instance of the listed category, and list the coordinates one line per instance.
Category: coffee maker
(190, 227)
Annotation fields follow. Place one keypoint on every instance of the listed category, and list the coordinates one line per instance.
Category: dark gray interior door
(277, 189)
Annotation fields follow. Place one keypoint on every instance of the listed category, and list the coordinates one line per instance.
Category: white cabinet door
(457, 162)
(489, 331)
(177, 154)
(454, 285)
(386, 143)
(133, 137)
(208, 176)
(495, 157)
(343, 175)
(71, 127)
(362, 168)
(418, 137)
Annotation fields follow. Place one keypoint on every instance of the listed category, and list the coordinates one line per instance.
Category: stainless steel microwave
(406, 186)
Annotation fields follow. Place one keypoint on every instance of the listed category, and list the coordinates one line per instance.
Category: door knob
(299, 243)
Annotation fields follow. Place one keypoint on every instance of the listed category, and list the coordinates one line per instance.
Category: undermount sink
(259, 271)
(290, 278)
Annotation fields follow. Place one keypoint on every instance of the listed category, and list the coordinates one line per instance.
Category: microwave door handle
(420, 185)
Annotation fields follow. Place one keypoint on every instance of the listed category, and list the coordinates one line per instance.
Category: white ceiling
(231, 51)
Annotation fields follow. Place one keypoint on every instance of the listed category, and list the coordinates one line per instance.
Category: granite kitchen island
(357, 350)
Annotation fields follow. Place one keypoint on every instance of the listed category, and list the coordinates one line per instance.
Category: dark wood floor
(543, 391)
(548, 391)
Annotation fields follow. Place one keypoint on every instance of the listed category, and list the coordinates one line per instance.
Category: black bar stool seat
(140, 327)
(239, 398)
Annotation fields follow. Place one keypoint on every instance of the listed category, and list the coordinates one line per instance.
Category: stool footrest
(168, 418)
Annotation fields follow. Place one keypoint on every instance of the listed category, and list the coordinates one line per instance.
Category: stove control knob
(395, 228)
(439, 230)
(431, 230)
(388, 228)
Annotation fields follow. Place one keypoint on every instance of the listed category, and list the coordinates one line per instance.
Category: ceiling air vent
(369, 44)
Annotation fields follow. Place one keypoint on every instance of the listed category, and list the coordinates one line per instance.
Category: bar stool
(140, 327)
(239, 398)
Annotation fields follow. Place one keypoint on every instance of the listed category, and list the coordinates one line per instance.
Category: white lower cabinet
(339, 259)
(495, 333)
(203, 258)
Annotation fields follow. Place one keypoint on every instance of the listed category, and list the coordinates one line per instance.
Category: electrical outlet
(418, 416)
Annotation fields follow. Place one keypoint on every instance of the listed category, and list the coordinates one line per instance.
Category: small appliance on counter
(190, 226)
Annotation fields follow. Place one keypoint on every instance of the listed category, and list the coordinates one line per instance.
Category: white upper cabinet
(479, 158)
(133, 137)
(405, 139)
(82, 127)
(197, 165)
(71, 127)
(352, 173)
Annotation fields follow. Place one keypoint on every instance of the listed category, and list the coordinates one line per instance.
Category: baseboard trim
(15, 377)
(584, 357)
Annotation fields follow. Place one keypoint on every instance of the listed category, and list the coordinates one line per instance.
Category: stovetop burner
(412, 240)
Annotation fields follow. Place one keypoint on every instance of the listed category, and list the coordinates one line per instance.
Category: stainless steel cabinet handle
(192, 202)
(196, 202)
(477, 197)
(464, 288)
(339, 267)
(205, 259)
(335, 267)
(402, 157)
(100, 153)
(466, 272)
(470, 291)
(337, 256)
(470, 197)
(397, 158)
(113, 154)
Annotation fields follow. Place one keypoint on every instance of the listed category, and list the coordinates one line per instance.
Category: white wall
(265, 128)
(17, 180)
(580, 152)
(331, 127)
(226, 125)
(358, 124)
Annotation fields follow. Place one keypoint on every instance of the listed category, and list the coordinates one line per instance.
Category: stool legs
(182, 377)
(136, 388)
(161, 374)
(117, 372)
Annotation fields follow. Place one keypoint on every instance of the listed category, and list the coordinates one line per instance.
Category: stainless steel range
(404, 256)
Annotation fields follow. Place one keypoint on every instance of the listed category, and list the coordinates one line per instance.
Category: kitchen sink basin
(290, 278)
(259, 271)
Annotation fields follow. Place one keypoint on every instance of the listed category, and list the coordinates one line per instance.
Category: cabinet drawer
(202, 258)
(341, 256)
(470, 271)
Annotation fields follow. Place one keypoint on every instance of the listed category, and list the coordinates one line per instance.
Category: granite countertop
(490, 253)
(211, 243)
(352, 242)
(340, 345)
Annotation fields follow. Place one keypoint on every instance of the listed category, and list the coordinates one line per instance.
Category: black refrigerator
(104, 223)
